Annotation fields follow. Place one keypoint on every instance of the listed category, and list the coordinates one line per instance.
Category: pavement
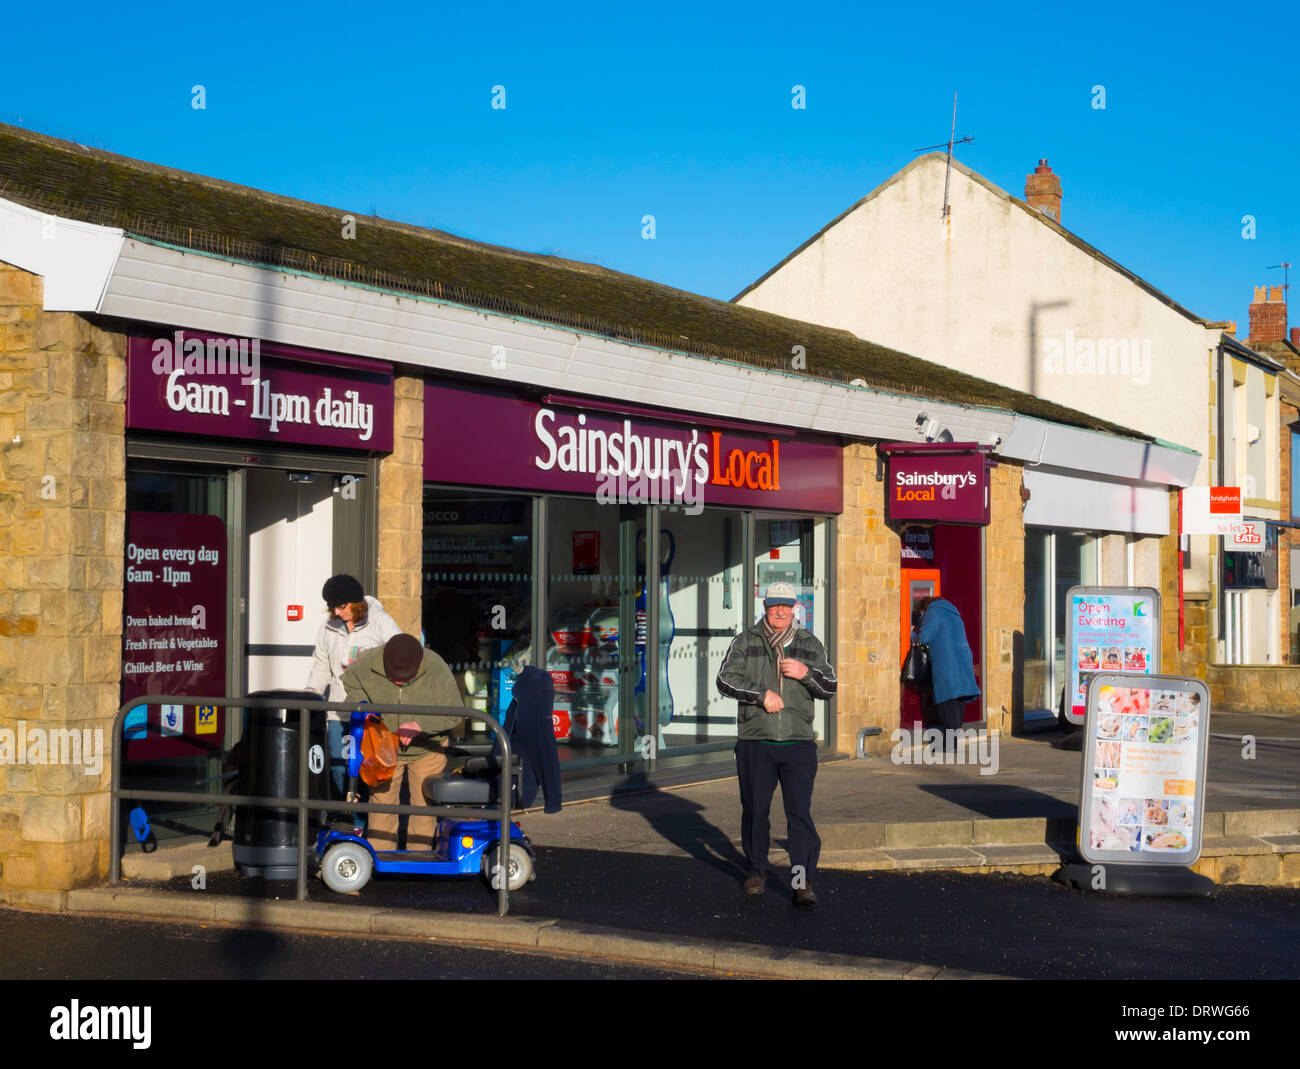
(630, 853)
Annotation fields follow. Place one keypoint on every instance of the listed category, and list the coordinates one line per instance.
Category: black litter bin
(266, 839)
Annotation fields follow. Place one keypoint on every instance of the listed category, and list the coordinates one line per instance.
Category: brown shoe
(804, 898)
(755, 883)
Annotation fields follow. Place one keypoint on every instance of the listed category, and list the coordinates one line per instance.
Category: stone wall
(1255, 688)
(401, 507)
(867, 657)
(1004, 595)
(868, 576)
(62, 516)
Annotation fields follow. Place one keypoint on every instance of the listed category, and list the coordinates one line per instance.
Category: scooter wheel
(346, 867)
(520, 867)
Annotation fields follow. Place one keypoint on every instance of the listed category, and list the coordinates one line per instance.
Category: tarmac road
(45, 946)
(1021, 926)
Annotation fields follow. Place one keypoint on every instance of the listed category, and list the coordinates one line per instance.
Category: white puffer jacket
(337, 647)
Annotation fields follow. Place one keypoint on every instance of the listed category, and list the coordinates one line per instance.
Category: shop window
(705, 584)
(1055, 561)
(149, 761)
(477, 590)
(792, 549)
(594, 636)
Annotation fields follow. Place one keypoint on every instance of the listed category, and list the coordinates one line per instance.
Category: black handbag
(916, 668)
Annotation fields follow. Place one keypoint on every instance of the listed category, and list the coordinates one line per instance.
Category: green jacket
(433, 684)
(749, 672)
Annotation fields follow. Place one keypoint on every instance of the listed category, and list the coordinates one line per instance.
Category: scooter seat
(490, 766)
(459, 790)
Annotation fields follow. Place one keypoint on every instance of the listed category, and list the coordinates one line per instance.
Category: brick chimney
(1268, 315)
(1043, 191)
(1295, 337)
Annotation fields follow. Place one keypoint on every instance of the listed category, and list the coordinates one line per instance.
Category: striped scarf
(776, 639)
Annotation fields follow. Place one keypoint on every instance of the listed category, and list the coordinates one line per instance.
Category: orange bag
(378, 752)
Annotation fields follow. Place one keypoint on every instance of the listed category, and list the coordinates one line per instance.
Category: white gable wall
(991, 298)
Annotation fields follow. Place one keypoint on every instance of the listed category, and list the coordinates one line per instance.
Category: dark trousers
(950, 714)
(761, 766)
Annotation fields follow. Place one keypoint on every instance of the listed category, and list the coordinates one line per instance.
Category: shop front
(937, 500)
(250, 479)
(621, 550)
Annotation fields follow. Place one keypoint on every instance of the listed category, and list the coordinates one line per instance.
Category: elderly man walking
(776, 671)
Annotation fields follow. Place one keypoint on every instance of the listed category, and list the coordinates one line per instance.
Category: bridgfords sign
(937, 487)
(489, 438)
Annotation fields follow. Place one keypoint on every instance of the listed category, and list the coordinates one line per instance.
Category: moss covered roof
(209, 215)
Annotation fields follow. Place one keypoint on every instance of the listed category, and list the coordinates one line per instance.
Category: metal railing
(302, 803)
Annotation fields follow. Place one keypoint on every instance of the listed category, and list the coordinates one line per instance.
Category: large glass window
(594, 649)
(704, 576)
(1055, 561)
(477, 589)
(792, 549)
(151, 762)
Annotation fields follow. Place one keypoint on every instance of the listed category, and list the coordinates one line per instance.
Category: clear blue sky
(685, 114)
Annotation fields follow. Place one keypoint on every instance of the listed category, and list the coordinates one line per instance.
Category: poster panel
(174, 631)
(1108, 629)
(1142, 797)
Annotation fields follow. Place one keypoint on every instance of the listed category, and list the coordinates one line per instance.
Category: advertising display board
(1142, 797)
(174, 631)
(1108, 629)
(1211, 510)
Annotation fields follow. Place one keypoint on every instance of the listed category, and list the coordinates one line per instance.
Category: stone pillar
(1004, 593)
(866, 656)
(1192, 659)
(401, 507)
(62, 517)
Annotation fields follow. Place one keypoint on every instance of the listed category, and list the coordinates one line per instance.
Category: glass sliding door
(1055, 561)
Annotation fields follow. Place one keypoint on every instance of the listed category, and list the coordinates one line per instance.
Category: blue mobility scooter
(461, 847)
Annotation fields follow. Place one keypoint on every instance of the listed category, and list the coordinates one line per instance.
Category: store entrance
(253, 545)
(942, 560)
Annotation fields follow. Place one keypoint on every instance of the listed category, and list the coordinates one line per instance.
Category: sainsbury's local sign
(938, 487)
(486, 437)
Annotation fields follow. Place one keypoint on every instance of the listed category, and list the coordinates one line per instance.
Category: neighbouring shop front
(251, 472)
(937, 500)
(622, 550)
(1080, 530)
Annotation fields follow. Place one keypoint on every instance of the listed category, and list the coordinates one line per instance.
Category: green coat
(749, 672)
(433, 684)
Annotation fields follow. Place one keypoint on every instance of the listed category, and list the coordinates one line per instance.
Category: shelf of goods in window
(583, 663)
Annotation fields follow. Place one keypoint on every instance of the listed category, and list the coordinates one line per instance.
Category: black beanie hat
(403, 656)
(342, 590)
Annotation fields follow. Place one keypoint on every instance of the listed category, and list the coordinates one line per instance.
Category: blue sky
(685, 114)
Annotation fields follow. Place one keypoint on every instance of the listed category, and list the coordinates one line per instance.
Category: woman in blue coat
(952, 667)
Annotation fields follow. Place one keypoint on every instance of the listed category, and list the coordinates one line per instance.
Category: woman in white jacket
(357, 622)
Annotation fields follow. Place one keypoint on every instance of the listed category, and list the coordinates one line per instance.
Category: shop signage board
(937, 487)
(195, 384)
(1211, 510)
(1108, 629)
(917, 543)
(1142, 798)
(174, 630)
(486, 437)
